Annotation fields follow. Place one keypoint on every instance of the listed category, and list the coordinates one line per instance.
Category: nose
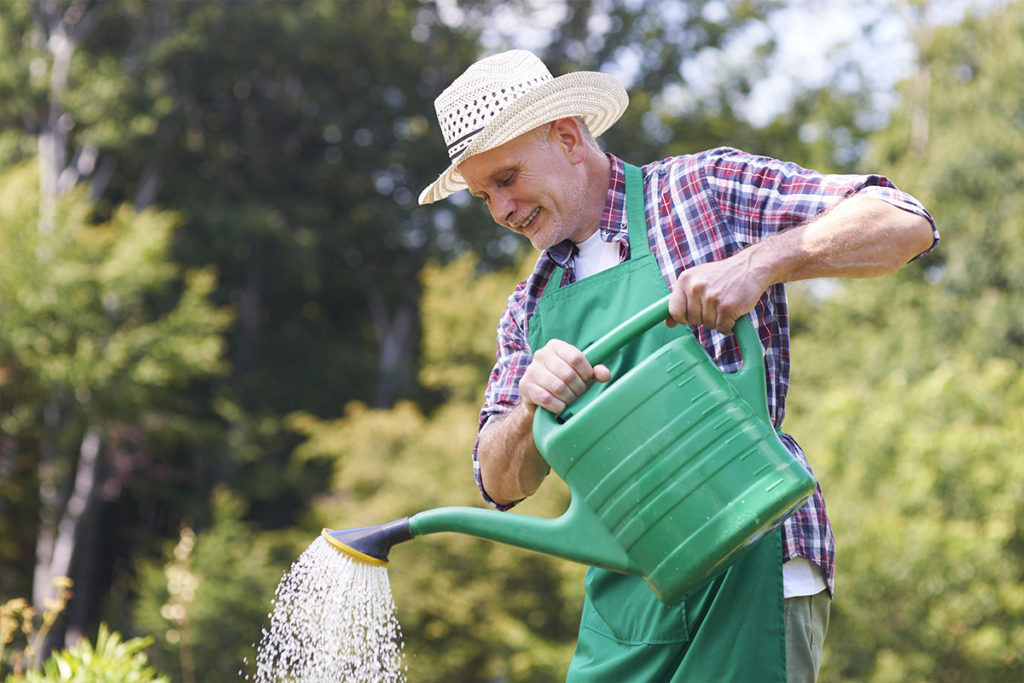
(503, 209)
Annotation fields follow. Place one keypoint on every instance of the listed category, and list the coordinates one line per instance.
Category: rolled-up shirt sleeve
(761, 195)
(888, 193)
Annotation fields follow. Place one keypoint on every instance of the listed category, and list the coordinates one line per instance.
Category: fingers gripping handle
(750, 345)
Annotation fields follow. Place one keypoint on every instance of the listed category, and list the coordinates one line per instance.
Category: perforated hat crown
(501, 97)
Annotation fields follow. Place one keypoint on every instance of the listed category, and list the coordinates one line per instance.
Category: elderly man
(723, 231)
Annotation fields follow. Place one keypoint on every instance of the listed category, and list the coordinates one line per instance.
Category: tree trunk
(394, 347)
(58, 543)
(59, 30)
(60, 33)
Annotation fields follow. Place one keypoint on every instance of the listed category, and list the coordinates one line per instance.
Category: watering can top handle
(749, 381)
(750, 344)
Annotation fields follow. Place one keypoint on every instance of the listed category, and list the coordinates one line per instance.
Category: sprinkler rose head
(369, 544)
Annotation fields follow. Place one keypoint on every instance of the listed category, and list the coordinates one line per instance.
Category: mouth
(525, 223)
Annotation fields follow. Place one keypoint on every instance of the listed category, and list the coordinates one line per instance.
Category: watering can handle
(625, 331)
(622, 334)
(749, 380)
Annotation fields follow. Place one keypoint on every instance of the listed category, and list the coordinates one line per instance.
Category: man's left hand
(716, 294)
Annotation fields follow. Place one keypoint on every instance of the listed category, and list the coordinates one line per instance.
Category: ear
(567, 135)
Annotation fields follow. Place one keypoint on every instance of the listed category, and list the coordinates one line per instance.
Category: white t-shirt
(594, 256)
(799, 576)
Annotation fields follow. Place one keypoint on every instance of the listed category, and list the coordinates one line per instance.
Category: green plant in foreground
(111, 660)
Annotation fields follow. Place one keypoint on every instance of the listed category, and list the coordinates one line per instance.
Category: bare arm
(860, 237)
(511, 467)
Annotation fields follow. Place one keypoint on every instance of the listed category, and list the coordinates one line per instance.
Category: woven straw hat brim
(599, 98)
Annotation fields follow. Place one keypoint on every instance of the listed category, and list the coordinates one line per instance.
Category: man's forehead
(483, 169)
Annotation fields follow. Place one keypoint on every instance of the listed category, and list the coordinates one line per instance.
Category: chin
(540, 243)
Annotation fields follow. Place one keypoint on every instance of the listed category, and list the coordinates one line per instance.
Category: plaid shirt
(700, 208)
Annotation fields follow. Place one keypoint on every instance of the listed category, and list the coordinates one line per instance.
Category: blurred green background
(225, 322)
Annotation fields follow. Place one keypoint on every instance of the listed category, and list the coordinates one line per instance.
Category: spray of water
(333, 620)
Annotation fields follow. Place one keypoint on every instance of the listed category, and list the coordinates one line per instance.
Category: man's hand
(557, 376)
(511, 467)
(716, 294)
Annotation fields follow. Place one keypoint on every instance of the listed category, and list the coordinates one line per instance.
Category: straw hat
(503, 96)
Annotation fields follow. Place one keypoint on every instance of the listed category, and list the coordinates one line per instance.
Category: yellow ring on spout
(352, 552)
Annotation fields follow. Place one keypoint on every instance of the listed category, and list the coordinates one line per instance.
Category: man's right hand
(511, 467)
(557, 376)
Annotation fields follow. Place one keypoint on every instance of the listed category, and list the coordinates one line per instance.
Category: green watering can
(674, 470)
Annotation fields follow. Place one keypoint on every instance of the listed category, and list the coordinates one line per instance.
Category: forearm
(511, 467)
(860, 237)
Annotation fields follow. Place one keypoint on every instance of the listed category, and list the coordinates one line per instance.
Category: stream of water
(333, 620)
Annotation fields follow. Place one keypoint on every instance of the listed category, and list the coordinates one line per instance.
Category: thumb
(602, 373)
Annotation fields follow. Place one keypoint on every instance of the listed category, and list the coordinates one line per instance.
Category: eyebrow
(493, 178)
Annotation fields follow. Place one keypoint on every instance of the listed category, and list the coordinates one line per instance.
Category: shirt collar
(613, 218)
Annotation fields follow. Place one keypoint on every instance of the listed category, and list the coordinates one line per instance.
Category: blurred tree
(915, 419)
(280, 131)
(658, 48)
(456, 355)
(206, 599)
(291, 137)
(967, 158)
(100, 335)
(926, 493)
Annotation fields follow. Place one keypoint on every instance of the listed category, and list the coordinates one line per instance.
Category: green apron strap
(636, 220)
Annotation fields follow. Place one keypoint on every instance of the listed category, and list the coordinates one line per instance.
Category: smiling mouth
(526, 222)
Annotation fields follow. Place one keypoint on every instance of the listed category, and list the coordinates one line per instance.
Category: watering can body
(675, 468)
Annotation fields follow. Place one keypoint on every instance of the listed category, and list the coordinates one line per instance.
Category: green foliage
(666, 41)
(206, 600)
(99, 331)
(21, 82)
(965, 159)
(77, 304)
(456, 357)
(926, 494)
(908, 391)
(111, 660)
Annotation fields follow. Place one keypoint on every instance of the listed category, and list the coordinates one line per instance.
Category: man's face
(531, 187)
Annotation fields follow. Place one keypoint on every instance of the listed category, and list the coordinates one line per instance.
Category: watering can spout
(576, 535)
(369, 544)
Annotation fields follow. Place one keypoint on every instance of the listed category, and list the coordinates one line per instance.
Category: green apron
(732, 627)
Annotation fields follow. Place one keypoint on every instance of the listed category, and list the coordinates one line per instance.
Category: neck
(597, 169)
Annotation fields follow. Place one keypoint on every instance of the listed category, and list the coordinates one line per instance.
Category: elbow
(917, 237)
(902, 237)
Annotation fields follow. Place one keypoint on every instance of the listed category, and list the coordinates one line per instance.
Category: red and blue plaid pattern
(702, 208)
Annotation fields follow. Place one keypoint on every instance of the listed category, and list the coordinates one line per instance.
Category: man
(723, 231)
